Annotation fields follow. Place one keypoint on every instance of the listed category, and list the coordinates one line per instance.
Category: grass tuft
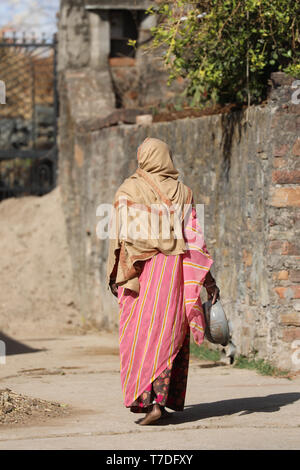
(204, 353)
(260, 365)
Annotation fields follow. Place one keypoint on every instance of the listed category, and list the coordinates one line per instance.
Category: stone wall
(244, 166)
(284, 220)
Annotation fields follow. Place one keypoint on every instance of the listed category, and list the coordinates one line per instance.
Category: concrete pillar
(99, 40)
(150, 21)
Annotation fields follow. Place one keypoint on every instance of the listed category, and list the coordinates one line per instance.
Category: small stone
(297, 306)
(263, 155)
(4, 398)
(8, 407)
(144, 119)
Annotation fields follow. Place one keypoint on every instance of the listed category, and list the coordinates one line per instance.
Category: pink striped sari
(153, 324)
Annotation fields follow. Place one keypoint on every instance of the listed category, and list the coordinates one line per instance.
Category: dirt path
(226, 408)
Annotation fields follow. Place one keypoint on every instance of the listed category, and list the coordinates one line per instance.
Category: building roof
(117, 4)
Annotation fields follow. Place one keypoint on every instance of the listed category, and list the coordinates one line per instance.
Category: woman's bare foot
(152, 416)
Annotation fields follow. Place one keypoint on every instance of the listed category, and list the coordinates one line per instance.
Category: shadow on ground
(11, 346)
(244, 406)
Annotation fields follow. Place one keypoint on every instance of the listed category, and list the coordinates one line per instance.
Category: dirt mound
(16, 408)
(36, 295)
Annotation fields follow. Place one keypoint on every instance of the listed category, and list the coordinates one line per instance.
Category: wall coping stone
(117, 4)
(126, 116)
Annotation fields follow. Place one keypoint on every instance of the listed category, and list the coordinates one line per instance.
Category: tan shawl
(154, 182)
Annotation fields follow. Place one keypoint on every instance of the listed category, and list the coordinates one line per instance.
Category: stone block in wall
(290, 319)
(296, 306)
(284, 247)
(279, 163)
(294, 275)
(283, 197)
(296, 148)
(286, 177)
(282, 275)
(291, 334)
(281, 151)
(288, 292)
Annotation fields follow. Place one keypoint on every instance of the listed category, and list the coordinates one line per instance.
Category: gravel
(16, 408)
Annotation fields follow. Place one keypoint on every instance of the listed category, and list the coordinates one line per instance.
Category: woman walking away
(157, 265)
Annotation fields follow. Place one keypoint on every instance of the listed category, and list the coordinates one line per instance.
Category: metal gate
(28, 119)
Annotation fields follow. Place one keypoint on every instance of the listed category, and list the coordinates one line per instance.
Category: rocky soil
(20, 409)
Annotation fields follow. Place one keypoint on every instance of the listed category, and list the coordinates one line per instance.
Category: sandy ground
(226, 408)
(37, 291)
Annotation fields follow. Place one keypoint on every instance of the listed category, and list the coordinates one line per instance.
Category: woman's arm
(213, 292)
(112, 283)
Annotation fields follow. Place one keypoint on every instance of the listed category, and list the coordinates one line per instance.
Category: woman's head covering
(154, 156)
(155, 164)
(155, 182)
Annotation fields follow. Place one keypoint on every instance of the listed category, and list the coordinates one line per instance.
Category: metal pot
(217, 328)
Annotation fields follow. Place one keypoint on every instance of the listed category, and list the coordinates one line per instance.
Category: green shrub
(228, 54)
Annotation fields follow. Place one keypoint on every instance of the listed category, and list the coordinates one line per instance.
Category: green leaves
(228, 48)
(132, 43)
